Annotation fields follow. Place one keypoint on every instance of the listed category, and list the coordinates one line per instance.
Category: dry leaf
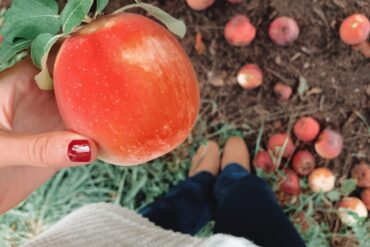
(199, 44)
(364, 48)
(303, 86)
(315, 90)
(216, 80)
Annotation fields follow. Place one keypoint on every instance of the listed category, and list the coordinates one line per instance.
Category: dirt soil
(338, 77)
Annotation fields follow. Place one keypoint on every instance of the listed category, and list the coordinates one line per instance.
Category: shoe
(236, 151)
(207, 158)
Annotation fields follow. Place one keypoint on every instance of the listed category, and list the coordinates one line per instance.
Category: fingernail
(79, 151)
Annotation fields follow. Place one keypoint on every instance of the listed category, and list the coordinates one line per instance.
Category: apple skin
(199, 5)
(276, 142)
(126, 82)
(355, 29)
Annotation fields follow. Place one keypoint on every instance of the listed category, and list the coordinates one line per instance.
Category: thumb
(54, 149)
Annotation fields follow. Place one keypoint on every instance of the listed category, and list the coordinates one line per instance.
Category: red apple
(263, 161)
(355, 29)
(329, 144)
(361, 173)
(250, 76)
(283, 91)
(276, 144)
(126, 82)
(303, 163)
(284, 30)
(306, 129)
(290, 183)
(199, 4)
(239, 31)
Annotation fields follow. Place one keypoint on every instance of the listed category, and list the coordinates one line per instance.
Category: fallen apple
(303, 162)
(321, 180)
(263, 161)
(290, 183)
(351, 210)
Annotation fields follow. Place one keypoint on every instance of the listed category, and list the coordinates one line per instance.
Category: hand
(33, 142)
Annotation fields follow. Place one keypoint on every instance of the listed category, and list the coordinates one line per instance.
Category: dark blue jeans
(241, 204)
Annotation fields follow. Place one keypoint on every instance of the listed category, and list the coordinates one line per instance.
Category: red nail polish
(79, 151)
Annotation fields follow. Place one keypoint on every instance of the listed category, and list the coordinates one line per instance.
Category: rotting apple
(303, 162)
(126, 82)
(361, 173)
(321, 180)
(329, 144)
(349, 206)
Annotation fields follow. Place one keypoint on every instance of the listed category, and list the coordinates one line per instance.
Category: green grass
(134, 187)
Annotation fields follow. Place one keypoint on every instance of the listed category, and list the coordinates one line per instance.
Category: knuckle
(38, 151)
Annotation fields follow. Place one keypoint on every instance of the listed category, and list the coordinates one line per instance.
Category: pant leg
(187, 207)
(247, 207)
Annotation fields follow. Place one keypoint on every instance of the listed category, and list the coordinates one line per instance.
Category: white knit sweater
(105, 224)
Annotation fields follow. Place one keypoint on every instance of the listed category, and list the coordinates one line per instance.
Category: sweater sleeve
(103, 224)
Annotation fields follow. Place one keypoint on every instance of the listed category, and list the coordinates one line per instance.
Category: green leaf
(348, 186)
(333, 195)
(8, 51)
(176, 26)
(43, 79)
(100, 5)
(303, 86)
(39, 47)
(15, 59)
(26, 19)
(73, 14)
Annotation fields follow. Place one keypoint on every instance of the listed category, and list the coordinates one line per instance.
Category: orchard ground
(331, 82)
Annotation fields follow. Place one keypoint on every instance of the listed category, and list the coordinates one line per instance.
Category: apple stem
(88, 19)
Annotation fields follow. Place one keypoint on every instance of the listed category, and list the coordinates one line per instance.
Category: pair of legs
(223, 190)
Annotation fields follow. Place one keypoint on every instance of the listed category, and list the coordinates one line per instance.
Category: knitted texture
(103, 224)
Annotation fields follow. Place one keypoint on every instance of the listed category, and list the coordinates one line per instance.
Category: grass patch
(135, 187)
